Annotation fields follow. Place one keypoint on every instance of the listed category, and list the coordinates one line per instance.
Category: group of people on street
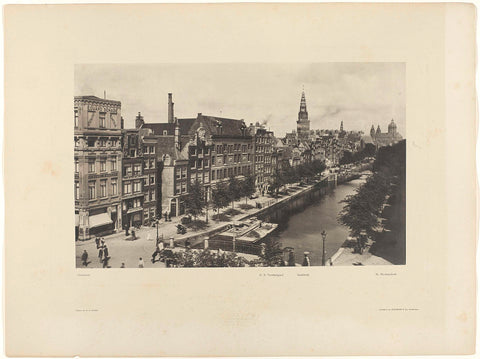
(103, 253)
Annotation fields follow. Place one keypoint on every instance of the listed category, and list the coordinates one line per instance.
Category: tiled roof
(220, 126)
(185, 124)
(158, 128)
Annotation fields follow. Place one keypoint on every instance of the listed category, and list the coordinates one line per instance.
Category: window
(184, 187)
(76, 165)
(137, 202)
(213, 175)
(145, 213)
(224, 159)
(200, 151)
(192, 164)
(199, 163)
(76, 117)
(152, 213)
(77, 143)
(103, 165)
(137, 187)
(177, 173)
(91, 190)
(102, 119)
(152, 195)
(192, 179)
(77, 190)
(152, 163)
(145, 165)
(165, 132)
(207, 177)
(127, 170)
(145, 150)
(91, 142)
(206, 162)
(177, 188)
(152, 149)
(127, 188)
(91, 166)
(184, 172)
(113, 165)
(152, 179)
(103, 188)
(207, 150)
(249, 158)
(137, 169)
(114, 187)
(114, 143)
(102, 143)
(213, 160)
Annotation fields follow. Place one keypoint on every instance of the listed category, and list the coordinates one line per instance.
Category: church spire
(303, 114)
(341, 126)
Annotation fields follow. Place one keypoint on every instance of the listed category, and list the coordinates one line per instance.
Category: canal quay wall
(273, 208)
(278, 210)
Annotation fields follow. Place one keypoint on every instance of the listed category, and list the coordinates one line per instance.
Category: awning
(99, 220)
(77, 220)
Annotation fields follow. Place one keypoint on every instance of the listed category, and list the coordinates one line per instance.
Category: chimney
(170, 108)
(177, 134)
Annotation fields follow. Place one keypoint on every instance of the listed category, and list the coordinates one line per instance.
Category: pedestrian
(166, 216)
(141, 264)
(123, 265)
(306, 260)
(161, 246)
(100, 254)
(105, 251)
(154, 254)
(85, 258)
(97, 242)
(291, 259)
(105, 262)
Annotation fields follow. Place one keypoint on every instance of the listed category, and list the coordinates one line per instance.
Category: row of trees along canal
(227, 192)
(380, 204)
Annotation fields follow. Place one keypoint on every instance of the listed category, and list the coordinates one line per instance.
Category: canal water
(301, 230)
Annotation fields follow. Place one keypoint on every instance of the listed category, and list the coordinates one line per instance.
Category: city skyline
(359, 94)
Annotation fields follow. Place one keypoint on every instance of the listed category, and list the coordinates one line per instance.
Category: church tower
(303, 124)
(372, 132)
(341, 126)
(378, 130)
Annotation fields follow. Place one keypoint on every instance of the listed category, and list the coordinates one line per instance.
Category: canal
(301, 229)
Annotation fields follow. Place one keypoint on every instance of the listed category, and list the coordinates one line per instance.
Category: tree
(273, 253)
(248, 187)
(195, 200)
(234, 190)
(220, 198)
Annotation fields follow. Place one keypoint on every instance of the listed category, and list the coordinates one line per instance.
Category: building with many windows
(98, 159)
(263, 142)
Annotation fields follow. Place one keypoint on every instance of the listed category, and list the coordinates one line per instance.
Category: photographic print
(239, 165)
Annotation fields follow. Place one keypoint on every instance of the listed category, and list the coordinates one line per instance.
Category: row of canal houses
(131, 177)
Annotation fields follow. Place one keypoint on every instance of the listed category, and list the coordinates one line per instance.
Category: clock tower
(303, 124)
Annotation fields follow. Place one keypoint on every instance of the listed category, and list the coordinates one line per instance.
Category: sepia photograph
(239, 165)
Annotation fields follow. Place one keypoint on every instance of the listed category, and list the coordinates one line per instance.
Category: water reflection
(302, 230)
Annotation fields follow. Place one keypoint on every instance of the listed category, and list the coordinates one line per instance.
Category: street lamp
(324, 236)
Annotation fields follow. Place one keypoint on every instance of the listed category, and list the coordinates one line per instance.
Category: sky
(359, 94)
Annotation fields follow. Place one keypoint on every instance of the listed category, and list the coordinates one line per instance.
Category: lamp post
(324, 236)
(156, 224)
